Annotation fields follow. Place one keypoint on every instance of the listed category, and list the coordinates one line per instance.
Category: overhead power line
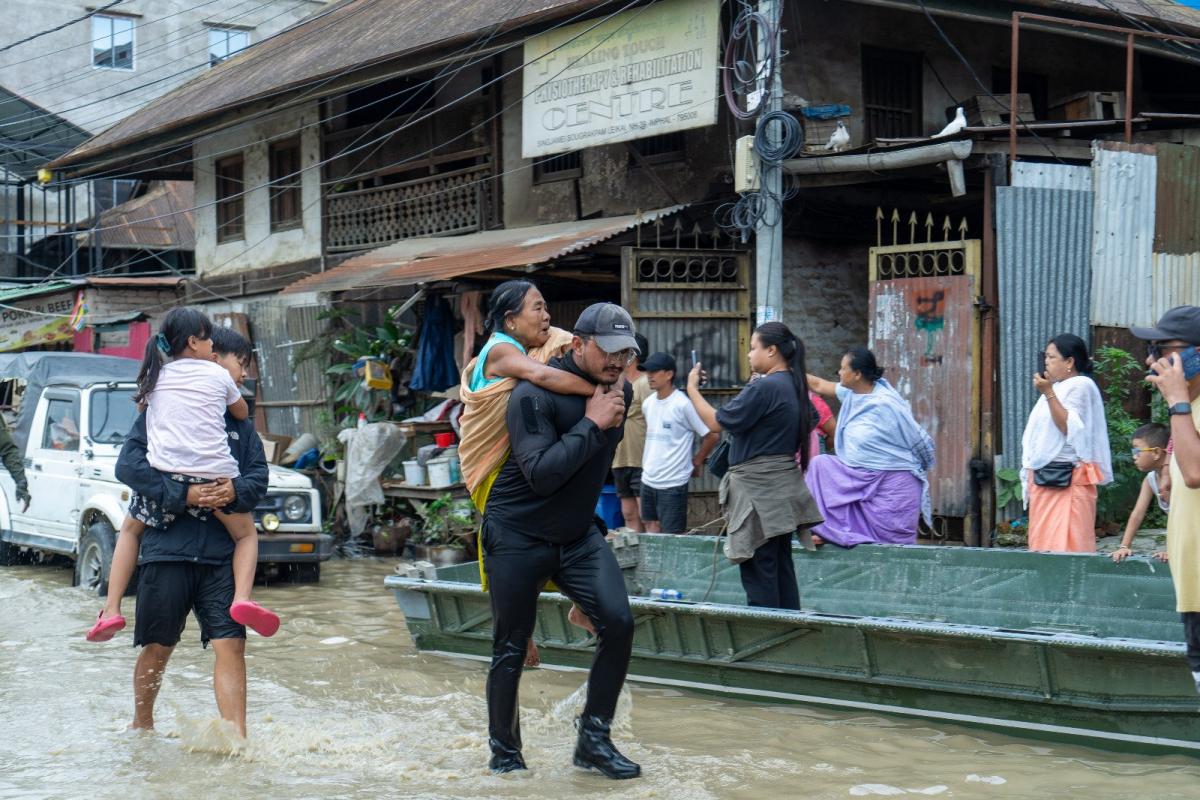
(66, 24)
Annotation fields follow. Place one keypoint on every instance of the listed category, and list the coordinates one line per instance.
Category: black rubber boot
(594, 750)
(506, 762)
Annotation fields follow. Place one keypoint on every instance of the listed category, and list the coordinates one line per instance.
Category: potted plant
(447, 530)
(390, 535)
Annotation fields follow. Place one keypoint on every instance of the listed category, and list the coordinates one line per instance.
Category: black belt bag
(718, 460)
(1056, 475)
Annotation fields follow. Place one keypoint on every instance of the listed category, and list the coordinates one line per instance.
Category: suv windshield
(112, 415)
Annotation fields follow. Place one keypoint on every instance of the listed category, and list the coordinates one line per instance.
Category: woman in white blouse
(1064, 452)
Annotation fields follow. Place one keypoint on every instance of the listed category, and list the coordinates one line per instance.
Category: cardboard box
(275, 445)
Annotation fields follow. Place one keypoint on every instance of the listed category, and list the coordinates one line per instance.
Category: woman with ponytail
(763, 495)
(875, 489)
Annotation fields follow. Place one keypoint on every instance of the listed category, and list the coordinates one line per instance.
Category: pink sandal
(105, 627)
(262, 621)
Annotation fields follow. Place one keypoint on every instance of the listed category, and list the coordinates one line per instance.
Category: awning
(414, 261)
(31, 137)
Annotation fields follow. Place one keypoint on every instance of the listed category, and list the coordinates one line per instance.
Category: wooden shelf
(414, 428)
(402, 489)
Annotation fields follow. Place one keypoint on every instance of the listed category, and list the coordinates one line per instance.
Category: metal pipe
(1096, 26)
(1129, 89)
(921, 155)
(1014, 59)
(1130, 35)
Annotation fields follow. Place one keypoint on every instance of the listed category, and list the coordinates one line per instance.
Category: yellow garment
(1183, 535)
(484, 431)
(483, 443)
(480, 497)
(629, 451)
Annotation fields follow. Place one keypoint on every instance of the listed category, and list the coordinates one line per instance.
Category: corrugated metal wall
(280, 330)
(1147, 232)
(1044, 265)
(1176, 222)
(1032, 175)
(1124, 178)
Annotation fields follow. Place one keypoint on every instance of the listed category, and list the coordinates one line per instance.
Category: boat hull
(1055, 678)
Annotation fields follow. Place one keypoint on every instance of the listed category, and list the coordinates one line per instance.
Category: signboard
(37, 321)
(641, 73)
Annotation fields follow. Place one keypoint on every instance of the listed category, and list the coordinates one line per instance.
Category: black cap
(1181, 322)
(658, 361)
(610, 325)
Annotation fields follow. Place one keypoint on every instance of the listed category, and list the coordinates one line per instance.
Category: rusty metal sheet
(334, 41)
(161, 219)
(1176, 223)
(923, 334)
(413, 261)
(1125, 184)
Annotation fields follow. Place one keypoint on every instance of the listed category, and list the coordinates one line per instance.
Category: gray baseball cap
(1181, 322)
(610, 325)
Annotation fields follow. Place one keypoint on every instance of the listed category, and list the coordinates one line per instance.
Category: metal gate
(683, 300)
(925, 334)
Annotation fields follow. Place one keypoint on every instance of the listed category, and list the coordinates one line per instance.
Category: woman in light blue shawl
(875, 489)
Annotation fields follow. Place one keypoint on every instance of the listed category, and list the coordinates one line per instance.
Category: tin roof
(343, 37)
(31, 135)
(413, 261)
(355, 34)
(161, 219)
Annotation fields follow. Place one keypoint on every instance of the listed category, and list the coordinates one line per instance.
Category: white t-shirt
(185, 421)
(670, 425)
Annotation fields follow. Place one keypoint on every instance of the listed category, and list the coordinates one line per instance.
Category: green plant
(1115, 370)
(444, 521)
(1008, 487)
(354, 342)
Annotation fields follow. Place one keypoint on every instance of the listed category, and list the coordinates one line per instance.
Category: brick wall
(825, 299)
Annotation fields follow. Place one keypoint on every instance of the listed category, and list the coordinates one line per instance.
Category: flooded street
(341, 705)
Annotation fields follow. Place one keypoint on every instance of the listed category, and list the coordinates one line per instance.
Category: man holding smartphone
(1174, 362)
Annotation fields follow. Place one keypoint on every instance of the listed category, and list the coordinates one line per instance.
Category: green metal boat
(1063, 647)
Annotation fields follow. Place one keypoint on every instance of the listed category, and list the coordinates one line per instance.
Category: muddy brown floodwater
(342, 706)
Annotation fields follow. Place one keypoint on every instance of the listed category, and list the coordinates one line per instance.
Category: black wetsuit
(540, 524)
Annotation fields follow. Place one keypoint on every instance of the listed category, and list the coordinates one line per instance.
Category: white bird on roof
(840, 139)
(957, 124)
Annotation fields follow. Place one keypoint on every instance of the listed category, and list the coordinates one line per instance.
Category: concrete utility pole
(768, 235)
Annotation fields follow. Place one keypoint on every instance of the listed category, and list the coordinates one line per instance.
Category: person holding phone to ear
(1174, 362)
(1065, 453)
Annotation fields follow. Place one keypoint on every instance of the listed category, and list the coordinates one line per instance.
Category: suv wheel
(10, 554)
(305, 573)
(95, 558)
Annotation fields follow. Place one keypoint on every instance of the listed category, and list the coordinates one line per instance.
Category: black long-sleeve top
(189, 538)
(549, 486)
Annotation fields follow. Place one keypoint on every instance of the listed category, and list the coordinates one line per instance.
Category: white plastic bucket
(414, 473)
(439, 472)
(451, 453)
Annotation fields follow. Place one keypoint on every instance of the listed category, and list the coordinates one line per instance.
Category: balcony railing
(440, 205)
